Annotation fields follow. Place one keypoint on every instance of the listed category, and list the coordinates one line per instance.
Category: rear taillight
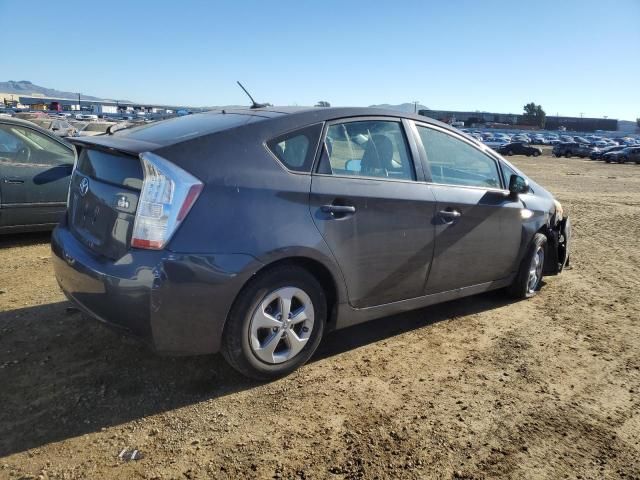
(168, 193)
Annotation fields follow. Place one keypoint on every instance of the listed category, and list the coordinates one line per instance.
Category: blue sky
(569, 56)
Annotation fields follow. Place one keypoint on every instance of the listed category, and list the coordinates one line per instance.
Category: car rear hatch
(103, 198)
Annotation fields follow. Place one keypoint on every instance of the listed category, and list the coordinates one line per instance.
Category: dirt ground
(476, 388)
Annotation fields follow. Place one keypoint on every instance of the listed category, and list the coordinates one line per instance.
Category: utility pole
(79, 103)
(415, 106)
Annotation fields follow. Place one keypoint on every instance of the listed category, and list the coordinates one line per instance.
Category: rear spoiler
(114, 143)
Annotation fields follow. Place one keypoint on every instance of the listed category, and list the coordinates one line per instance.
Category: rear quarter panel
(250, 203)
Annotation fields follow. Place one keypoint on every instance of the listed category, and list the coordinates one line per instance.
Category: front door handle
(339, 209)
(448, 217)
(12, 181)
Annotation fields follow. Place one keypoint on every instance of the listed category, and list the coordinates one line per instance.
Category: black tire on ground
(519, 287)
(536, 153)
(607, 160)
(510, 152)
(622, 159)
(236, 347)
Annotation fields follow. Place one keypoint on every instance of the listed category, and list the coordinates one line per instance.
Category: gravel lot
(476, 388)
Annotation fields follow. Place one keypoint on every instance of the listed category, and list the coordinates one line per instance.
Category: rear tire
(262, 339)
(536, 153)
(567, 155)
(527, 281)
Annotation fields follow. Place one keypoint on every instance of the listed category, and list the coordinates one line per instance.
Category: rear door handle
(12, 181)
(338, 209)
(450, 213)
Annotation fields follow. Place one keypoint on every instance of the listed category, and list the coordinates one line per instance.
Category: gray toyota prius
(254, 232)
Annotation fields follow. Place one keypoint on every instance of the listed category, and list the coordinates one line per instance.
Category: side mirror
(518, 185)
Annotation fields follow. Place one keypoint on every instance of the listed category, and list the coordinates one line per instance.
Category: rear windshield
(186, 127)
(115, 169)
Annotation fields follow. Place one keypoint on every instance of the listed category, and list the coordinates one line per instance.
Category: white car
(86, 116)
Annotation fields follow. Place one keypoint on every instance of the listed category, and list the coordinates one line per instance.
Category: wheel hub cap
(535, 270)
(281, 325)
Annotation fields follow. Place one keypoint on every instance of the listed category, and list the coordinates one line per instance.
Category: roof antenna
(254, 104)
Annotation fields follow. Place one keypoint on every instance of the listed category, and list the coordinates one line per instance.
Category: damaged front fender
(558, 246)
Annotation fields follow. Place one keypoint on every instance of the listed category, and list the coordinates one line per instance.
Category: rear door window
(371, 148)
(297, 149)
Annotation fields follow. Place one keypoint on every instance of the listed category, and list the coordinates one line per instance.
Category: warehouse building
(489, 119)
(98, 107)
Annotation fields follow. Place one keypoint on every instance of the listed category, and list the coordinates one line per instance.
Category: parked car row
(622, 155)
(617, 154)
(496, 139)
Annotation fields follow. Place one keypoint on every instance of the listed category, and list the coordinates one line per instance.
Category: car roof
(188, 127)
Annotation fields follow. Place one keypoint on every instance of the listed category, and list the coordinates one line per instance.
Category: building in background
(98, 107)
(511, 120)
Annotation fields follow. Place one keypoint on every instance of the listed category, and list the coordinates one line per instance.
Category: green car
(35, 168)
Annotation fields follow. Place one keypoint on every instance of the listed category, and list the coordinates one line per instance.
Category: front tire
(529, 276)
(275, 324)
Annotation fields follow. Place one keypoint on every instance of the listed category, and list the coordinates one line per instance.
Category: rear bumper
(178, 303)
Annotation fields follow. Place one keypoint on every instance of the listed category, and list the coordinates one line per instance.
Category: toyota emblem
(84, 186)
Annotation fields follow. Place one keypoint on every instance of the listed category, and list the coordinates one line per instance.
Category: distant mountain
(403, 107)
(25, 87)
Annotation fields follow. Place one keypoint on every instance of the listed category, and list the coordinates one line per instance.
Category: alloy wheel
(535, 270)
(281, 325)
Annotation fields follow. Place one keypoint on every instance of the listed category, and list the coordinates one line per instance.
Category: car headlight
(559, 210)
